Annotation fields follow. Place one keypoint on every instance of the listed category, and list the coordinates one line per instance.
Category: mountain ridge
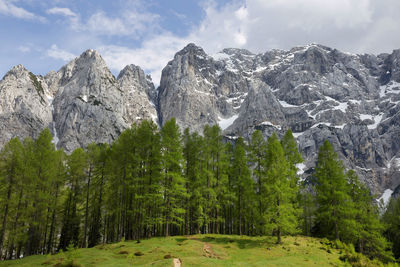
(318, 92)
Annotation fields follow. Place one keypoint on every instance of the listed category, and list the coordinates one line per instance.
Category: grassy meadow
(198, 250)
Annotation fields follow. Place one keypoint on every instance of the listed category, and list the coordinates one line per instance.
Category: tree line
(160, 182)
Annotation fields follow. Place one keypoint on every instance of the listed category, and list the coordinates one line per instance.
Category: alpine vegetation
(154, 182)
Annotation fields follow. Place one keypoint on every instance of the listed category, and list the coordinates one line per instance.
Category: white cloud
(24, 49)
(9, 9)
(61, 11)
(131, 22)
(220, 29)
(259, 25)
(57, 53)
(178, 15)
(72, 17)
(314, 14)
(152, 56)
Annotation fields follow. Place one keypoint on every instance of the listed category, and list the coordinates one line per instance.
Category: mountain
(81, 103)
(24, 109)
(318, 92)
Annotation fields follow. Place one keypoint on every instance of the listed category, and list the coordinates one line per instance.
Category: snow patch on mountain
(268, 123)
(301, 167)
(385, 197)
(55, 140)
(225, 123)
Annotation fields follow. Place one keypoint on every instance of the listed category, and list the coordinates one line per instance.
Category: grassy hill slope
(197, 250)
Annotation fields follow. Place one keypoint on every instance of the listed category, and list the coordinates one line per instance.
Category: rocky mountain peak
(191, 49)
(132, 77)
(87, 64)
(133, 73)
(23, 105)
(236, 51)
(16, 72)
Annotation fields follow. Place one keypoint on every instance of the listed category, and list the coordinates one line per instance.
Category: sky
(44, 35)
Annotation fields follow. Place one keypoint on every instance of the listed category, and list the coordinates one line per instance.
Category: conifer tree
(289, 146)
(42, 172)
(121, 188)
(214, 168)
(192, 152)
(334, 216)
(391, 218)
(258, 154)
(307, 203)
(173, 182)
(56, 194)
(281, 213)
(91, 156)
(149, 155)
(242, 185)
(101, 155)
(230, 196)
(11, 164)
(368, 230)
(77, 167)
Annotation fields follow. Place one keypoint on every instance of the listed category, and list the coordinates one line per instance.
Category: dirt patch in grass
(209, 252)
(177, 262)
(48, 262)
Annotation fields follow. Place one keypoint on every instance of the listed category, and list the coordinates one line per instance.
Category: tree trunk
(86, 210)
(5, 216)
(279, 227)
(52, 224)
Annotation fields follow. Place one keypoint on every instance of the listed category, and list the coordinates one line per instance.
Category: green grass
(197, 250)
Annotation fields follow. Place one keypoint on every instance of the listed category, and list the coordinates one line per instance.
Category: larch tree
(71, 221)
(257, 156)
(334, 216)
(173, 181)
(281, 213)
(11, 168)
(242, 185)
(192, 152)
(391, 219)
(42, 171)
(367, 234)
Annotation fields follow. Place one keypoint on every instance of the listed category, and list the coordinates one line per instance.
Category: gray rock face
(92, 106)
(197, 90)
(318, 92)
(81, 103)
(23, 105)
(88, 105)
(139, 95)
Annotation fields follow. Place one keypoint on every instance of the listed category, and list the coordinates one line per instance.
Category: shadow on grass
(241, 241)
(180, 240)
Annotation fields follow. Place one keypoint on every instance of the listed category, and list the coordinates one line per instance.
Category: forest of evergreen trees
(153, 182)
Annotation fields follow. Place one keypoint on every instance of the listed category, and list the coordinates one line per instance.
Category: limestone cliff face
(318, 92)
(24, 108)
(81, 103)
(138, 94)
